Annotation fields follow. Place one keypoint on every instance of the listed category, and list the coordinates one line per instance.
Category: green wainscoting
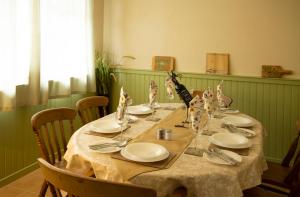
(18, 148)
(274, 102)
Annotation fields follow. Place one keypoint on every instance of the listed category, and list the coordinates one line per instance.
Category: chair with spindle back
(294, 189)
(91, 108)
(281, 176)
(50, 132)
(81, 186)
(227, 100)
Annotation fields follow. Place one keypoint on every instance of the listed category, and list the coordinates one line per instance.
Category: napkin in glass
(220, 95)
(123, 103)
(170, 87)
(195, 108)
(152, 93)
(208, 98)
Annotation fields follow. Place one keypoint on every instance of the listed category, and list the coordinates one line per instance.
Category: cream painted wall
(254, 32)
(98, 24)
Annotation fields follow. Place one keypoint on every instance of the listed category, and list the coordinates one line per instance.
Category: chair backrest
(50, 131)
(293, 179)
(82, 186)
(197, 92)
(91, 108)
(292, 150)
(228, 100)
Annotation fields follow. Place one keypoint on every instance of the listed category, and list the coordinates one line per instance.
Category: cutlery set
(216, 152)
(234, 129)
(107, 145)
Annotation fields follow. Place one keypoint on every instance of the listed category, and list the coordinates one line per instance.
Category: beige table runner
(181, 138)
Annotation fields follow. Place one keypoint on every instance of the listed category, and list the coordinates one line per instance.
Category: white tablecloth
(199, 176)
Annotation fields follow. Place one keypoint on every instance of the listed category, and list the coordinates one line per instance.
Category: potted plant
(103, 73)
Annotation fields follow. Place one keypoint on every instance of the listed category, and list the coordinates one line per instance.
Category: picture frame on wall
(163, 63)
(217, 63)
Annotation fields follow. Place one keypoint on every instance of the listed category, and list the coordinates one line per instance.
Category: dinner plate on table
(139, 110)
(217, 160)
(230, 140)
(145, 152)
(107, 126)
(238, 121)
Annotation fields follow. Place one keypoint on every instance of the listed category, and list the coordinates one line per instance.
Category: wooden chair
(281, 176)
(77, 185)
(293, 192)
(228, 100)
(91, 108)
(259, 192)
(48, 127)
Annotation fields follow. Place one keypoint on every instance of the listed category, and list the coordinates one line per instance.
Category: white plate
(139, 110)
(156, 105)
(239, 121)
(217, 160)
(105, 126)
(229, 140)
(145, 152)
(107, 150)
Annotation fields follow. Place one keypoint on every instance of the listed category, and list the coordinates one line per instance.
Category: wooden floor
(27, 186)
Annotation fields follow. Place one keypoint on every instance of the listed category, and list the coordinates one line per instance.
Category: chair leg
(43, 189)
(53, 190)
(179, 192)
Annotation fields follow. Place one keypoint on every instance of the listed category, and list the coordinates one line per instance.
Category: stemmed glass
(121, 119)
(198, 127)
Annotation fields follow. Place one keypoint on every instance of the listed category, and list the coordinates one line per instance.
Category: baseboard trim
(272, 159)
(10, 178)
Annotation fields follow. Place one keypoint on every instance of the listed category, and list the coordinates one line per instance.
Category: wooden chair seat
(284, 175)
(259, 192)
(276, 174)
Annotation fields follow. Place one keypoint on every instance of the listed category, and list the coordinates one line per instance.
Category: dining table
(199, 175)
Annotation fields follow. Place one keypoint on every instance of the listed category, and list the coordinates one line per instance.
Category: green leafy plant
(104, 73)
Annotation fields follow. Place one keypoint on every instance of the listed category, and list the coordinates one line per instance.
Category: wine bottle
(181, 90)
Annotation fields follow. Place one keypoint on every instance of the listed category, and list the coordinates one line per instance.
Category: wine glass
(121, 119)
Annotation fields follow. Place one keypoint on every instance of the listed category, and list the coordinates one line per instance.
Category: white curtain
(66, 50)
(48, 49)
(15, 48)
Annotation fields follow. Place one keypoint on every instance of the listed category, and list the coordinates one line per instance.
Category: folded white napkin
(208, 98)
(123, 102)
(153, 93)
(220, 94)
(195, 107)
(170, 87)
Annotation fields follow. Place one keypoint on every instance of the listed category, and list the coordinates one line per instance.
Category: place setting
(145, 153)
(114, 128)
(225, 147)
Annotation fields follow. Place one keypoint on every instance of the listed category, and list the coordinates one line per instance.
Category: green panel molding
(274, 102)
